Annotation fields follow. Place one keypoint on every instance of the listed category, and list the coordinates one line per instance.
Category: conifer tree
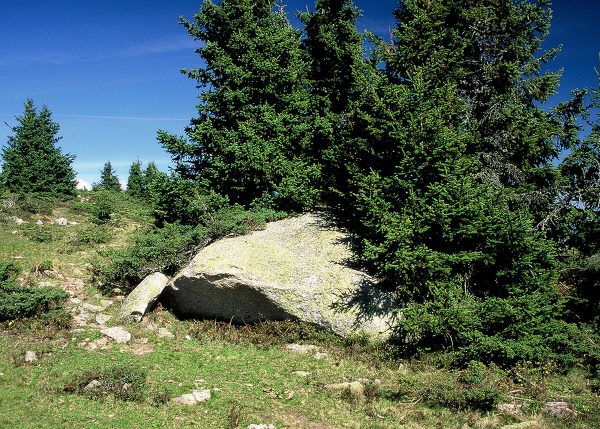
(437, 219)
(336, 58)
(136, 185)
(251, 137)
(31, 160)
(108, 179)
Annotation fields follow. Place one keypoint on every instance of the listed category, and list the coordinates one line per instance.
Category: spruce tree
(31, 160)
(136, 185)
(336, 57)
(251, 138)
(108, 179)
(436, 218)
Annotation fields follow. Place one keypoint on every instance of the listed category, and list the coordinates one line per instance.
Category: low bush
(476, 387)
(159, 249)
(93, 235)
(125, 383)
(17, 302)
(103, 206)
(38, 233)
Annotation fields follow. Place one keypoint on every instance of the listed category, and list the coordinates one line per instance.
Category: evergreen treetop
(32, 162)
(108, 179)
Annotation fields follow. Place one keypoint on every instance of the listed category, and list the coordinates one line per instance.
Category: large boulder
(297, 268)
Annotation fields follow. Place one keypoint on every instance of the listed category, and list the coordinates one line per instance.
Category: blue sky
(109, 69)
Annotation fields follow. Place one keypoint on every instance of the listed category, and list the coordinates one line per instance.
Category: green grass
(246, 368)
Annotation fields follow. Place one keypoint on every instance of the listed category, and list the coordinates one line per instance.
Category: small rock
(101, 319)
(117, 333)
(303, 374)
(319, 355)
(559, 410)
(92, 308)
(531, 424)
(192, 398)
(188, 337)
(30, 357)
(39, 222)
(105, 303)
(510, 409)
(61, 221)
(201, 395)
(92, 385)
(261, 426)
(88, 267)
(144, 296)
(101, 343)
(77, 272)
(75, 301)
(355, 389)
(117, 291)
(54, 275)
(19, 221)
(164, 333)
(301, 348)
(72, 223)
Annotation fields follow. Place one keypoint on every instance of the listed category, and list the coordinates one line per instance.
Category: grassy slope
(247, 369)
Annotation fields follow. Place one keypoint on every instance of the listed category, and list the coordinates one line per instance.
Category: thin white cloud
(125, 118)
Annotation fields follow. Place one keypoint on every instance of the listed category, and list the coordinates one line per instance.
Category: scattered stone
(54, 275)
(75, 301)
(106, 303)
(143, 297)
(261, 426)
(510, 409)
(39, 222)
(560, 410)
(100, 343)
(101, 318)
(164, 333)
(61, 221)
(19, 221)
(319, 355)
(89, 267)
(117, 291)
(30, 357)
(302, 374)
(92, 385)
(192, 398)
(72, 223)
(301, 348)
(77, 272)
(118, 334)
(92, 308)
(354, 389)
(532, 424)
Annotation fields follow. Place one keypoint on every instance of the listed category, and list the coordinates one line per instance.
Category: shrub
(17, 302)
(123, 382)
(159, 249)
(38, 233)
(39, 203)
(103, 206)
(93, 235)
(474, 388)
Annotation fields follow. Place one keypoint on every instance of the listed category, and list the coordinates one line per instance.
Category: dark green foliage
(476, 387)
(38, 233)
(136, 183)
(31, 161)
(18, 302)
(335, 50)
(108, 179)
(103, 206)
(94, 235)
(164, 250)
(38, 203)
(251, 139)
(581, 288)
(123, 382)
